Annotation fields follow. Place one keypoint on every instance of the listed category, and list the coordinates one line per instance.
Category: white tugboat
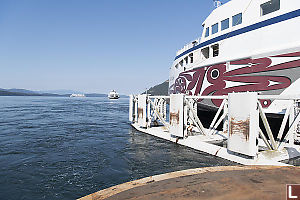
(113, 95)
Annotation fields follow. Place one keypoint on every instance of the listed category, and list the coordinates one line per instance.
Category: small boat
(77, 95)
(113, 95)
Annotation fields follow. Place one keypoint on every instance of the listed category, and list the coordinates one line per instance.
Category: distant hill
(101, 95)
(61, 92)
(160, 89)
(54, 93)
(21, 91)
(95, 95)
(4, 92)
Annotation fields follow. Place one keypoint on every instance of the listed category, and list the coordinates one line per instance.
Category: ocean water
(66, 148)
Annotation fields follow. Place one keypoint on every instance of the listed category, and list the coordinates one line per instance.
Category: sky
(94, 45)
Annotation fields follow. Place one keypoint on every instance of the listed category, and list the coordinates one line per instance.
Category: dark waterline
(65, 148)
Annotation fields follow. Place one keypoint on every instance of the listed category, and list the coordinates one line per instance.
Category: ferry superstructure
(246, 45)
(113, 95)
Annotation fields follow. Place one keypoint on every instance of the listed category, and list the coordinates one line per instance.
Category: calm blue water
(65, 148)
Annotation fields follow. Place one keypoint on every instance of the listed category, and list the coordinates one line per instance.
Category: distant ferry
(113, 95)
(77, 95)
(246, 45)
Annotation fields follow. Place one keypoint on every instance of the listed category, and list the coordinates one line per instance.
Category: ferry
(113, 95)
(246, 45)
(77, 95)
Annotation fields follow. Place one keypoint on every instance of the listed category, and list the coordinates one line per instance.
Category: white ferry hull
(274, 74)
(113, 95)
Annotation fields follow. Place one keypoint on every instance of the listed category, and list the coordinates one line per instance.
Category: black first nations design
(244, 75)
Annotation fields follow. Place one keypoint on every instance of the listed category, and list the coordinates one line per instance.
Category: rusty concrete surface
(174, 118)
(239, 127)
(140, 113)
(218, 183)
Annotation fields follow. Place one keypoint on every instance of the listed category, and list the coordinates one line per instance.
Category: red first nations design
(191, 82)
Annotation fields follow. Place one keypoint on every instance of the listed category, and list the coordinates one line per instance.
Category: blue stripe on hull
(246, 29)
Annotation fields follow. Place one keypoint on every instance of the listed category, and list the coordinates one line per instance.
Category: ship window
(207, 32)
(225, 24)
(269, 7)
(215, 49)
(214, 28)
(176, 66)
(181, 63)
(237, 19)
(186, 60)
(205, 52)
(191, 57)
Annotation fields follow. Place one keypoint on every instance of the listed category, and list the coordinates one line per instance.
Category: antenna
(217, 3)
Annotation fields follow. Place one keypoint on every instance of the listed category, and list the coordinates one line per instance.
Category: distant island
(160, 89)
(23, 92)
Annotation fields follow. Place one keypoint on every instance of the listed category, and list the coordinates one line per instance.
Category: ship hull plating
(271, 75)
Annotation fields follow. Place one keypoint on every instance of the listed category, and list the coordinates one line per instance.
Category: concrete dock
(230, 182)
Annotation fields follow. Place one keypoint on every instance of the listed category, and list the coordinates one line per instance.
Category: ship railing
(148, 110)
(188, 46)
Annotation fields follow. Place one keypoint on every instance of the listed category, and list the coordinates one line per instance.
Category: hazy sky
(94, 45)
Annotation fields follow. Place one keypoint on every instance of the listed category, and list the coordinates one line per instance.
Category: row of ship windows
(188, 59)
(236, 20)
(205, 54)
(266, 8)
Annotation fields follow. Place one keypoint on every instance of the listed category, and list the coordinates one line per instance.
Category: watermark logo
(293, 191)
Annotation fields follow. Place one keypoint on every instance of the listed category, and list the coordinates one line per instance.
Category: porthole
(215, 74)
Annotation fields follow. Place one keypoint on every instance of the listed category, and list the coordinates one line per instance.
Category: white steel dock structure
(243, 138)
